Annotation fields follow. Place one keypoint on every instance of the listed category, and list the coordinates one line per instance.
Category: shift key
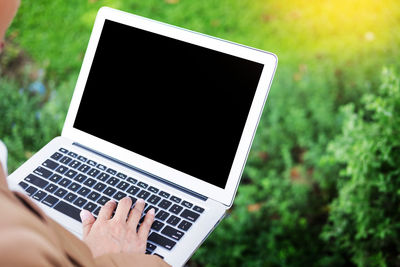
(162, 241)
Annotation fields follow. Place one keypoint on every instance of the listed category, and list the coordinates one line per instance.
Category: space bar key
(162, 241)
(69, 210)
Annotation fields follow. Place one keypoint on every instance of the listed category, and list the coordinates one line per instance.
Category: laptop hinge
(181, 188)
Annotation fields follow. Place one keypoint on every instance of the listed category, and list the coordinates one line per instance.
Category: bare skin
(8, 9)
(117, 234)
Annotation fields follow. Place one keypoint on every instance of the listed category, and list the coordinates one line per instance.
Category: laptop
(159, 113)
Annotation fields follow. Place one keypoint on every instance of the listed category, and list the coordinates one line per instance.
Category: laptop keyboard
(69, 183)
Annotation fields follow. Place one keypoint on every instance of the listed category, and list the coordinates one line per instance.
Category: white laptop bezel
(225, 195)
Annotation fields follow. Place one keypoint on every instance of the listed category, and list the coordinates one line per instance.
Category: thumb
(87, 221)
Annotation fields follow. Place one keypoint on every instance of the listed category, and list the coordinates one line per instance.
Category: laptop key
(70, 197)
(173, 220)
(187, 204)
(55, 178)
(90, 206)
(148, 252)
(71, 174)
(80, 202)
(119, 195)
(164, 194)
(80, 178)
(61, 169)
(83, 191)
(133, 190)
(50, 200)
(103, 176)
(151, 207)
(50, 164)
(64, 182)
(39, 182)
(161, 240)
(93, 172)
(132, 180)
(184, 225)
(150, 246)
(175, 199)
(43, 172)
(110, 191)
(84, 168)
(74, 164)
(31, 190)
(142, 185)
(162, 215)
(63, 150)
(190, 215)
(23, 184)
(113, 181)
(74, 187)
(39, 195)
(123, 185)
(198, 209)
(143, 194)
(60, 192)
(175, 209)
(89, 182)
(164, 204)
(153, 189)
(99, 187)
(72, 154)
(56, 156)
(51, 188)
(93, 196)
(101, 167)
(157, 225)
(103, 200)
(91, 163)
(172, 232)
(97, 211)
(82, 158)
(68, 210)
(65, 160)
(121, 175)
(154, 199)
(111, 171)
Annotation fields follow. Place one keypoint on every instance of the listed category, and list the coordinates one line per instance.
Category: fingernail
(140, 200)
(152, 211)
(85, 215)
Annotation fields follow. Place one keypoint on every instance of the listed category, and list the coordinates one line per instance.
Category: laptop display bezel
(223, 195)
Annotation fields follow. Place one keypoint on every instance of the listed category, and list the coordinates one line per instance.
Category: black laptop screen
(176, 103)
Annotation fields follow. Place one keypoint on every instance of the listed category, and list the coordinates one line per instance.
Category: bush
(364, 220)
(29, 120)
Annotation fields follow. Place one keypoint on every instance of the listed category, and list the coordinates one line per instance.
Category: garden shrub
(279, 210)
(29, 121)
(364, 220)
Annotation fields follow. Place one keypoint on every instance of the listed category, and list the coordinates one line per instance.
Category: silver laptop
(159, 113)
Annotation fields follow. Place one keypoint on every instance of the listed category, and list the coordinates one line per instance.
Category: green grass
(330, 53)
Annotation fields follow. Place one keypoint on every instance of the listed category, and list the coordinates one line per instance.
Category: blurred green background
(322, 183)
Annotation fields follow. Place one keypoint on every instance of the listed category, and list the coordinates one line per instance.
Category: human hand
(117, 234)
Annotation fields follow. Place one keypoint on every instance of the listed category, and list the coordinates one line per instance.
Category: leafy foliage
(365, 218)
(292, 208)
